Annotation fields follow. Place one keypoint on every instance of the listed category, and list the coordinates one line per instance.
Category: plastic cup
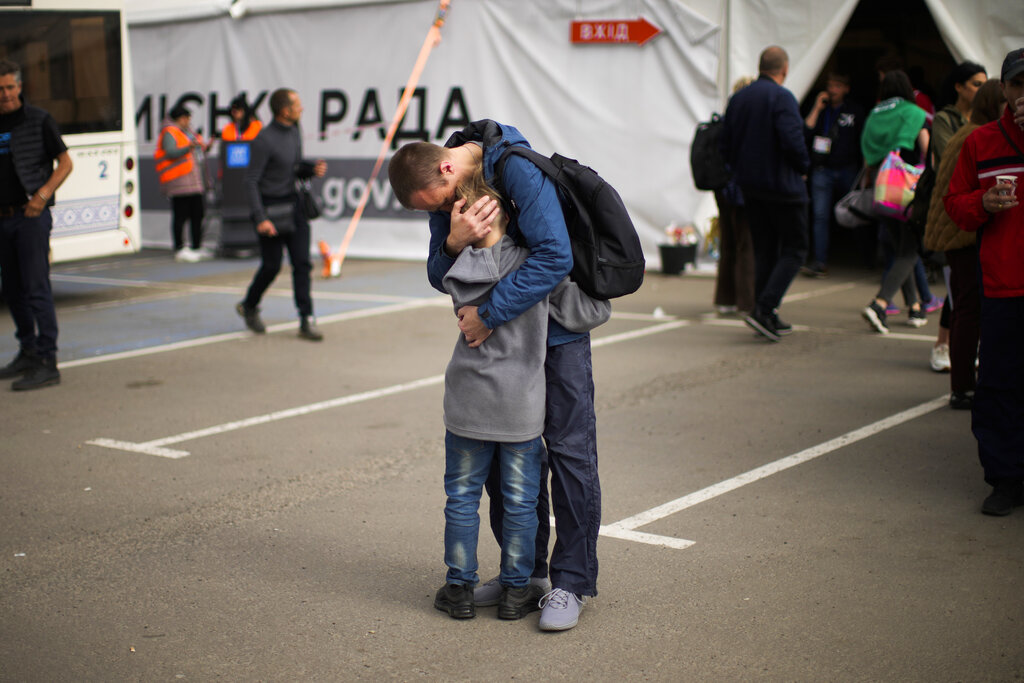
(1007, 185)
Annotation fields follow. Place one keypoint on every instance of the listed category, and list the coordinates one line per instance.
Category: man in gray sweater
(276, 164)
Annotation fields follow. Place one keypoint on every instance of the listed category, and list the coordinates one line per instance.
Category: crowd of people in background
(969, 158)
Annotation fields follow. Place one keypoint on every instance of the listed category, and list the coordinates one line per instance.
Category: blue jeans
(467, 463)
(826, 184)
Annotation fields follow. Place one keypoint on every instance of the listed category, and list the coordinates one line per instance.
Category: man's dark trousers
(998, 412)
(271, 252)
(25, 269)
(570, 435)
(779, 233)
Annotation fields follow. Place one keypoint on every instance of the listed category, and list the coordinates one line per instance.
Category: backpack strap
(543, 163)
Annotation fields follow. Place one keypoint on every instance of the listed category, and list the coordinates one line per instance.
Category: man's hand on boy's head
(470, 225)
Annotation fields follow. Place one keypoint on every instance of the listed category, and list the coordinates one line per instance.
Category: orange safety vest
(169, 169)
(230, 132)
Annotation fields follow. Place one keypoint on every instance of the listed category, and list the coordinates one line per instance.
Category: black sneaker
(781, 326)
(814, 270)
(42, 374)
(456, 599)
(21, 364)
(762, 324)
(875, 315)
(516, 603)
(251, 317)
(308, 330)
(1006, 495)
(961, 400)
(917, 318)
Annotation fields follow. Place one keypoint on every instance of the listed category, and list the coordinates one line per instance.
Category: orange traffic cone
(325, 254)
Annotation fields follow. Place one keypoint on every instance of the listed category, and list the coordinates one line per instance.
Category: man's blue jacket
(539, 225)
(763, 143)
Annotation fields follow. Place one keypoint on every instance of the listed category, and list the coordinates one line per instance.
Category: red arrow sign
(637, 31)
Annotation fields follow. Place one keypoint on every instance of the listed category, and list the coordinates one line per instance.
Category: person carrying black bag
(278, 211)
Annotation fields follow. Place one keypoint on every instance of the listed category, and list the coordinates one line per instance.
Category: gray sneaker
(488, 594)
(560, 610)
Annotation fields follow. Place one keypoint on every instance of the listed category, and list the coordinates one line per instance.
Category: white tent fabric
(979, 31)
(627, 110)
(140, 12)
(982, 32)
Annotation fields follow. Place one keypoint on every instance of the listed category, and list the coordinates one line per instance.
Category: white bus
(74, 64)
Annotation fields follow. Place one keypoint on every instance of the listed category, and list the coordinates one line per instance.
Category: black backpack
(607, 259)
(706, 161)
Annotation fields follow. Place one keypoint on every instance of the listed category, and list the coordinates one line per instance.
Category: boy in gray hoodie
(494, 405)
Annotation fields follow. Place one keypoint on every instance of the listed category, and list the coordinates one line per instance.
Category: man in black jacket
(29, 144)
(270, 182)
(763, 142)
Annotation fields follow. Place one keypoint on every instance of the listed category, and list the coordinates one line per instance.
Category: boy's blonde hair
(476, 187)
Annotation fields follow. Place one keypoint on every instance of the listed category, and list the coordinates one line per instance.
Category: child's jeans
(467, 462)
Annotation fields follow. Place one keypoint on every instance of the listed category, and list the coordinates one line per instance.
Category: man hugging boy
(494, 403)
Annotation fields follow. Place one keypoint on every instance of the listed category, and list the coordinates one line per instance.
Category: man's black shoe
(308, 330)
(1006, 495)
(782, 328)
(43, 374)
(814, 270)
(961, 400)
(456, 599)
(251, 317)
(762, 324)
(21, 364)
(516, 603)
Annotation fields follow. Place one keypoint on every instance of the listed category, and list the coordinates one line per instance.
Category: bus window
(71, 66)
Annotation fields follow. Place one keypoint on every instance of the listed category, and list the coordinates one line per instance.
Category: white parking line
(156, 446)
(175, 289)
(821, 291)
(229, 336)
(626, 528)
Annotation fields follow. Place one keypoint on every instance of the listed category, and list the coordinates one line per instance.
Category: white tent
(628, 110)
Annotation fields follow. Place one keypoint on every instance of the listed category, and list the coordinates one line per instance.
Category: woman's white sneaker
(940, 358)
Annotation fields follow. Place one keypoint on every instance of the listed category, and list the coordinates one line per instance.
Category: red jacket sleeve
(963, 199)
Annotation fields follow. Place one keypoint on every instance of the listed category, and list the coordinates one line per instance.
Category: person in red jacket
(985, 196)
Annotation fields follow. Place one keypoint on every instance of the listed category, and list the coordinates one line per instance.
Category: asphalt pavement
(194, 502)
